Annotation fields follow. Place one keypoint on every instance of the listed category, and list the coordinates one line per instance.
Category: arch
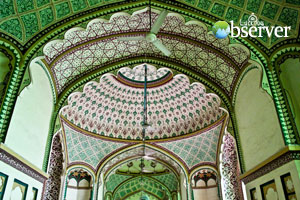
(37, 97)
(126, 160)
(266, 123)
(131, 152)
(204, 183)
(92, 181)
(165, 175)
(278, 59)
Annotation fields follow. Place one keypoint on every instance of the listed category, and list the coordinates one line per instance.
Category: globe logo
(221, 29)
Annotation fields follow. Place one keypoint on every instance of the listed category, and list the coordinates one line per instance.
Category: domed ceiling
(114, 107)
(106, 118)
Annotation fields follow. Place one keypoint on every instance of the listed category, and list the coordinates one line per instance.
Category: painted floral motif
(111, 108)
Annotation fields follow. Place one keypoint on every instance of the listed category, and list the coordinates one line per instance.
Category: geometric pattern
(114, 180)
(133, 185)
(50, 12)
(169, 180)
(95, 51)
(197, 149)
(114, 109)
(87, 149)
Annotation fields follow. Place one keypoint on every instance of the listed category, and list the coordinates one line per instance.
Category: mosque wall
(18, 177)
(29, 126)
(273, 184)
(258, 124)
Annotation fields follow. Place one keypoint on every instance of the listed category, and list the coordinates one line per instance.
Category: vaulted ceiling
(130, 178)
(25, 19)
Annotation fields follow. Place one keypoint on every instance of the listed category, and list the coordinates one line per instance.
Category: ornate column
(53, 183)
(231, 186)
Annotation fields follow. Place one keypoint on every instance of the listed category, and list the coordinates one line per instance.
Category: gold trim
(270, 159)
(23, 160)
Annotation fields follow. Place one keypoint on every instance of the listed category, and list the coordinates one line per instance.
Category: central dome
(114, 106)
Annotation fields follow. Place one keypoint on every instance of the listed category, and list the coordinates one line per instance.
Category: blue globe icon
(221, 29)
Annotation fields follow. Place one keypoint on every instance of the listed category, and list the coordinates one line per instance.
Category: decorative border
(140, 84)
(21, 166)
(274, 164)
(151, 141)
